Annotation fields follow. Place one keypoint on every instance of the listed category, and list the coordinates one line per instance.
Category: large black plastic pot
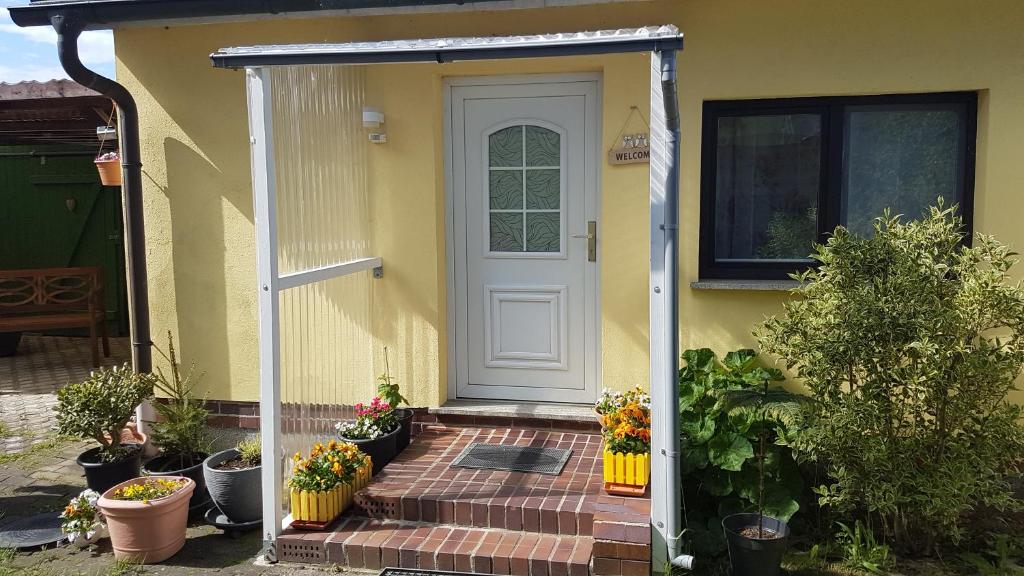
(102, 476)
(405, 417)
(382, 450)
(750, 556)
(9, 343)
(172, 466)
(238, 493)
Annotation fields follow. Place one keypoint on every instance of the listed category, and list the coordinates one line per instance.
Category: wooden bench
(49, 298)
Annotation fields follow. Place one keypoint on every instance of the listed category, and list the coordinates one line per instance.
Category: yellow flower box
(626, 474)
(316, 510)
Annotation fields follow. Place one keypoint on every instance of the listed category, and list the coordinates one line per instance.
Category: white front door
(524, 191)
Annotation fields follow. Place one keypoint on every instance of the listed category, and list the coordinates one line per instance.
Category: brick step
(419, 486)
(482, 506)
(373, 544)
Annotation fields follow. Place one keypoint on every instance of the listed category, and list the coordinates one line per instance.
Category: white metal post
(261, 139)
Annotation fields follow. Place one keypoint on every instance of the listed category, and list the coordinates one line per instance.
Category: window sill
(759, 285)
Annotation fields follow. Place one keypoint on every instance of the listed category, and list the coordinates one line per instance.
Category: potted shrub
(374, 432)
(181, 431)
(323, 485)
(626, 428)
(387, 390)
(99, 408)
(81, 520)
(233, 478)
(147, 517)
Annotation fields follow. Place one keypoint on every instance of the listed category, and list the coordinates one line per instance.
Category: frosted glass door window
(525, 189)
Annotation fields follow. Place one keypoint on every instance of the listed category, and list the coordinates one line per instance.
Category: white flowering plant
(82, 520)
(372, 421)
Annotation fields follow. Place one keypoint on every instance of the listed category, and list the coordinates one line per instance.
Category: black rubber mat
(513, 458)
(37, 531)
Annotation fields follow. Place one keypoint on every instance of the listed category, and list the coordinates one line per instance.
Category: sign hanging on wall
(632, 149)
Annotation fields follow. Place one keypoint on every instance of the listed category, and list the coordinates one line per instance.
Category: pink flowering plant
(372, 421)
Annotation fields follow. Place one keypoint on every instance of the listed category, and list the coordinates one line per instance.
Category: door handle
(591, 237)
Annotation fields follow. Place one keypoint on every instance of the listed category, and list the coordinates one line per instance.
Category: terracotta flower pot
(147, 532)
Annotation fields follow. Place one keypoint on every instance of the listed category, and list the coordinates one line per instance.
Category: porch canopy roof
(440, 50)
(661, 42)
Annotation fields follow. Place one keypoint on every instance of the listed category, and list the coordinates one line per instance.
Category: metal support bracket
(378, 272)
(270, 551)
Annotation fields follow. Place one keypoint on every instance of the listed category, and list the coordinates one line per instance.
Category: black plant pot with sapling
(180, 431)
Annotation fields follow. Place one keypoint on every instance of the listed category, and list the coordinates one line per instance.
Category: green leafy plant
(724, 407)
(181, 430)
(1000, 559)
(99, 407)
(909, 342)
(250, 450)
(387, 388)
(860, 549)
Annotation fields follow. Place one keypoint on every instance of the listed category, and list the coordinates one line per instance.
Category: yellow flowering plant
(626, 421)
(150, 489)
(326, 467)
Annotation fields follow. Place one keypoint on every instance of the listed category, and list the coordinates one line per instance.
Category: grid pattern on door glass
(525, 189)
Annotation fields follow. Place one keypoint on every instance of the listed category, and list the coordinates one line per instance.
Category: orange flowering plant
(327, 466)
(626, 421)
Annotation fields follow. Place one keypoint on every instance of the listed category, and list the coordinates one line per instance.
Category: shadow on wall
(197, 256)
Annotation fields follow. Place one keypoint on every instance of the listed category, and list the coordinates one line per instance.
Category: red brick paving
(420, 513)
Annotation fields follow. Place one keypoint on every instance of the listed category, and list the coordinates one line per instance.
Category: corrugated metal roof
(453, 49)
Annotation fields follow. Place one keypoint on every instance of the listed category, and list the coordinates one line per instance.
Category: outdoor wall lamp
(374, 119)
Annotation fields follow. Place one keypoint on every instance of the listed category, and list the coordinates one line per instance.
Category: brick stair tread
(369, 543)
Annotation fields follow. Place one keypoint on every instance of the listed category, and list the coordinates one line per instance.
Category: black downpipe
(68, 29)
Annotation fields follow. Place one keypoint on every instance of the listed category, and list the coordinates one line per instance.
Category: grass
(125, 568)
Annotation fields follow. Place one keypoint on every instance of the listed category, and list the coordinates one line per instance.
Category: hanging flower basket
(340, 469)
(626, 474)
(109, 167)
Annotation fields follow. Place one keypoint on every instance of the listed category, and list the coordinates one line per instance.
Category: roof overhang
(105, 14)
(440, 50)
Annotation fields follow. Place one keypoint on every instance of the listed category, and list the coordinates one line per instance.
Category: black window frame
(833, 138)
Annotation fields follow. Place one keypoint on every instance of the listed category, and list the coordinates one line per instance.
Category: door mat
(415, 572)
(513, 458)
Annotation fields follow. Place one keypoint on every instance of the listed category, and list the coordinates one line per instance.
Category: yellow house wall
(198, 203)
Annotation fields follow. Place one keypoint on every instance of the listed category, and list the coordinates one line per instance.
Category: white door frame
(457, 355)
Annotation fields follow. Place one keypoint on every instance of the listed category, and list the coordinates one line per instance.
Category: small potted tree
(181, 431)
(234, 481)
(147, 517)
(626, 429)
(98, 409)
(757, 542)
(323, 485)
(374, 432)
(387, 390)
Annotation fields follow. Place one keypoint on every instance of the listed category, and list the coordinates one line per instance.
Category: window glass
(525, 189)
(899, 157)
(767, 183)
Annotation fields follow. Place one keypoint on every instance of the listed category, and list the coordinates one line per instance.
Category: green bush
(100, 407)
(721, 417)
(181, 430)
(908, 342)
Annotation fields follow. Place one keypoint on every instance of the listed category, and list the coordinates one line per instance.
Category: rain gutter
(103, 14)
(69, 27)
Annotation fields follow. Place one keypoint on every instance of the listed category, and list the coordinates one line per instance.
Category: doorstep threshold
(505, 409)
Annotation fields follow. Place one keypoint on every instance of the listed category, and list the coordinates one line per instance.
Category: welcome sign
(633, 149)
